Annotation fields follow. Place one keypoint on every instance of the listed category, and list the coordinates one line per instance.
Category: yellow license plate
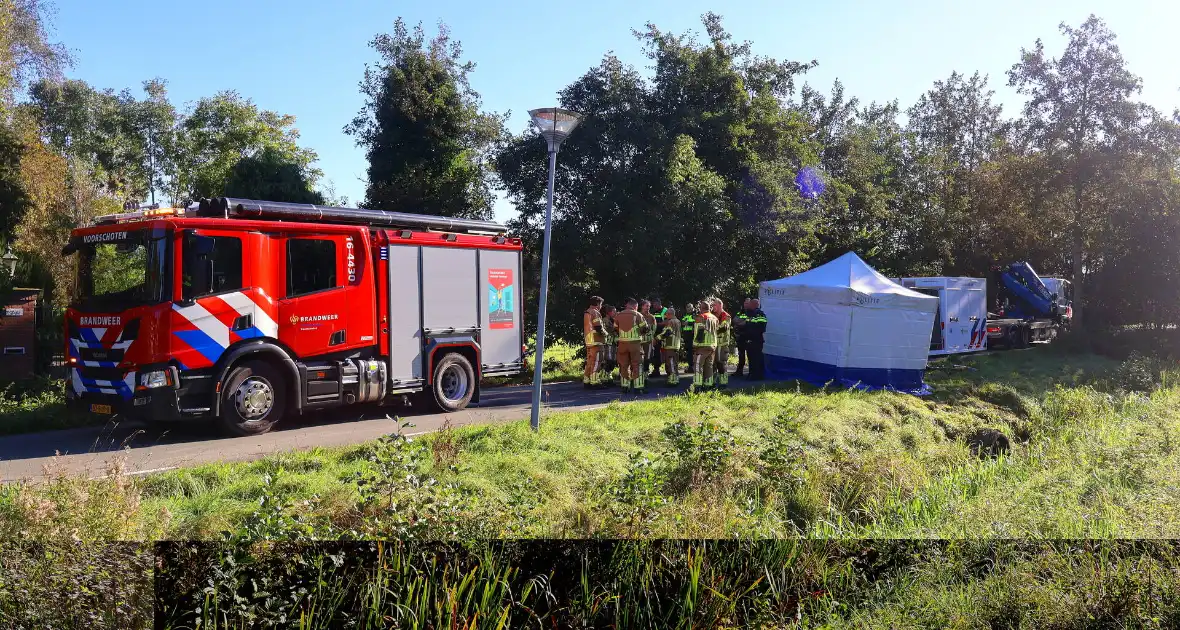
(101, 409)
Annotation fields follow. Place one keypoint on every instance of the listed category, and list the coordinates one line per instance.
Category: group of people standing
(647, 336)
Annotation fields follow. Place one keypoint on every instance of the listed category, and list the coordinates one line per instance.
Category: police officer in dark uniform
(755, 337)
(739, 323)
(659, 312)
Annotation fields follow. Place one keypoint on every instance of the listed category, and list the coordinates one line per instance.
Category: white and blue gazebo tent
(844, 323)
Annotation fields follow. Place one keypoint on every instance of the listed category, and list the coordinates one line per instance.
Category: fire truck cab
(247, 311)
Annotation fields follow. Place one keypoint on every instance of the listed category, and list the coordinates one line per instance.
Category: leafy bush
(280, 518)
(1139, 373)
(75, 584)
(398, 498)
(783, 458)
(702, 452)
(637, 497)
(36, 405)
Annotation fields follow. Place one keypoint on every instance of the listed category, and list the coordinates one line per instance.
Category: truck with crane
(244, 311)
(1027, 310)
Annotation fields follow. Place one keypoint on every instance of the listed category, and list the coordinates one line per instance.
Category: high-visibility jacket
(686, 324)
(630, 326)
(608, 329)
(705, 331)
(593, 328)
(660, 314)
(669, 335)
(724, 330)
(650, 332)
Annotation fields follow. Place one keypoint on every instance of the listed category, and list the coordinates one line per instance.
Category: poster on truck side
(500, 298)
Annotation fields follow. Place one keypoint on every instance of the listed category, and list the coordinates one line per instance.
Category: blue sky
(306, 57)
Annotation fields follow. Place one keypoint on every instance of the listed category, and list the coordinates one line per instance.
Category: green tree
(272, 176)
(13, 200)
(954, 129)
(1135, 273)
(61, 194)
(124, 141)
(599, 191)
(681, 186)
(859, 209)
(220, 131)
(424, 135)
(1078, 109)
(152, 125)
(26, 52)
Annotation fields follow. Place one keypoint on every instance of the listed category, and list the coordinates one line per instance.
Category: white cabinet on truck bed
(961, 323)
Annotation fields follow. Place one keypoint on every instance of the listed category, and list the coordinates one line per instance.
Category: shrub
(36, 405)
(638, 497)
(75, 584)
(701, 452)
(399, 498)
(1138, 373)
(71, 507)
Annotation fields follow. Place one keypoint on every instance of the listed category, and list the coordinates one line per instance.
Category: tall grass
(674, 584)
(642, 584)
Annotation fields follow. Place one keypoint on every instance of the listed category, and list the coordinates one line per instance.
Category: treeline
(70, 151)
(686, 180)
(683, 183)
(680, 182)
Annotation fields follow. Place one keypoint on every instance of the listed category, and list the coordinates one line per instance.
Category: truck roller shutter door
(449, 289)
(405, 316)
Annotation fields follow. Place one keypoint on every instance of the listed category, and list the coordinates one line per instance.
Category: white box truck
(960, 325)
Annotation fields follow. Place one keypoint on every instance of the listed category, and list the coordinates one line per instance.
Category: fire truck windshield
(118, 270)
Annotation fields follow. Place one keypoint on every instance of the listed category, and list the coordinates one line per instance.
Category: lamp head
(555, 124)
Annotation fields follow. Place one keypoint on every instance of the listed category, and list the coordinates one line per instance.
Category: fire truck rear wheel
(253, 399)
(454, 382)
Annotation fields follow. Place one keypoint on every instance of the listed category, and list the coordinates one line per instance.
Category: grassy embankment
(1087, 459)
(1093, 453)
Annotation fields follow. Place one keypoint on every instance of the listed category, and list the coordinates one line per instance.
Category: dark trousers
(757, 361)
(656, 358)
(742, 352)
(688, 351)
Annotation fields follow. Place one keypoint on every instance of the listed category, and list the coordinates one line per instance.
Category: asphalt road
(146, 449)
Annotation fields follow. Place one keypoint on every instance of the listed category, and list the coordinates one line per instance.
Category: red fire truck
(248, 311)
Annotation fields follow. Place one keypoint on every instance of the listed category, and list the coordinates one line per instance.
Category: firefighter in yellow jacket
(630, 327)
(704, 345)
(648, 336)
(724, 342)
(669, 339)
(608, 360)
(595, 335)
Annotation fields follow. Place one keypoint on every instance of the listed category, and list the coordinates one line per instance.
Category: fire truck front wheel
(454, 382)
(253, 399)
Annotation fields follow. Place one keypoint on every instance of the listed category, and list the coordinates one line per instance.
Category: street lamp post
(555, 124)
(9, 259)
